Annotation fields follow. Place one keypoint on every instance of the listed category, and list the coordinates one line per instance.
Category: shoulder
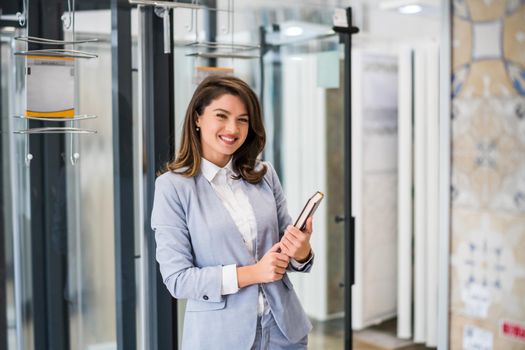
(174, 181)
(170, 177)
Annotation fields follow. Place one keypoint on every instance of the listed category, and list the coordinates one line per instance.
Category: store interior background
(415, 241)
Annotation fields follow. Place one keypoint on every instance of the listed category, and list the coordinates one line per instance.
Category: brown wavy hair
(188, 159)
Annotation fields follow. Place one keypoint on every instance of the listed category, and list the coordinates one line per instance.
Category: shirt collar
(210, 170)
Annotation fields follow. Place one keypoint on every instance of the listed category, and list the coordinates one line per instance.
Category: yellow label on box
(50, 85)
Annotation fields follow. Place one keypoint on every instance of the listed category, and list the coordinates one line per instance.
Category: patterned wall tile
(486, 10)
(488, 172)
(488, 78)
(461, 43)
(488, 265)
(486, 37)
(489, 56)
(514, 37)
(488, 153)
(460, 9)
(488, 274)
(460, 326)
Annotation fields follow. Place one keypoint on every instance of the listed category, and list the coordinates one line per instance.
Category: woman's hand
(296, 243)
(270, 268)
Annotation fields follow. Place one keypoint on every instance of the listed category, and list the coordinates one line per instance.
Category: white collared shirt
(238, 205)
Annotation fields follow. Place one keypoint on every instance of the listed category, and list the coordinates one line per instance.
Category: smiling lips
(228, 139)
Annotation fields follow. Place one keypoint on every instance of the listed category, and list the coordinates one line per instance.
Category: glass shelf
(166, 4)
(54, 130)
(220, 45)
(57, 119)
(222, 55)
(44, 41)
(57, 53)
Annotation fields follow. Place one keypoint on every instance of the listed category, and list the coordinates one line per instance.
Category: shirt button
(205, 297)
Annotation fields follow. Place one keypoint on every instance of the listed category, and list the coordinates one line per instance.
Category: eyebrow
(227, 112)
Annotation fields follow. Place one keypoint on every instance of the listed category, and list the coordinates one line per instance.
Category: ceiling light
(293, 31)
(410, 9)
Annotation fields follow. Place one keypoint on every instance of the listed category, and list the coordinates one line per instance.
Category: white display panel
(375, 138)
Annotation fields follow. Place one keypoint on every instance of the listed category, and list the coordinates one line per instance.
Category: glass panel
(15, 194)
(90, 193)
(91, 251)
(304, 105)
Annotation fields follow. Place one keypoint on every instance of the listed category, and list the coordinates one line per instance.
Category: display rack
(220, 49)
(55, 49)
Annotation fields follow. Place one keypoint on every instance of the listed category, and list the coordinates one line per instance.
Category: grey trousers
(268, 336)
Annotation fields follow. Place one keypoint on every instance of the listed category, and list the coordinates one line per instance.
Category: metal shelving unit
(56, 52)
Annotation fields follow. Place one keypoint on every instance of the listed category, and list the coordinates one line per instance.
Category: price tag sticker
(513, 330)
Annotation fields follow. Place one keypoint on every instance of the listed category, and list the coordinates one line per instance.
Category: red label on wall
(514, 330)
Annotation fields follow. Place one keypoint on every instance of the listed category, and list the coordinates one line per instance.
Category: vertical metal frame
(276, 97)
(8, 208)
(121, 71)
(345, 35)
(3, 272)
(445, 132)
(48, 210)
(156, 73)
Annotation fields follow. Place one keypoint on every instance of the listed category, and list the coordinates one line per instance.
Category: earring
(198, 129)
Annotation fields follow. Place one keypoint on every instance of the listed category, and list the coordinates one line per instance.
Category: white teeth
(227, 139)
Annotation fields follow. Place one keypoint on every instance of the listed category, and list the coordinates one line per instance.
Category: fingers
(276, 270)
(275, 247)
(295, 239)
(285, 247)
(291, 241)
(309, 225)
(283, 257)
(294, 231)
(280, 270)
(281, 263)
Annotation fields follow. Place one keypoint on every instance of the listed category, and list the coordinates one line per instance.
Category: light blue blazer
(196, 236)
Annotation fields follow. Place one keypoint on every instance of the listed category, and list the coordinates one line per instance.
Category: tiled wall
(488, 175)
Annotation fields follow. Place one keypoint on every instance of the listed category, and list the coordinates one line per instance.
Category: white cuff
(229, 280)
(299, 266)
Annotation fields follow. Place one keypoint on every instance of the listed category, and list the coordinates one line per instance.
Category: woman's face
(223, 127)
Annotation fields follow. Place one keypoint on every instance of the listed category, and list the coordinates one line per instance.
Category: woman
(223, 233)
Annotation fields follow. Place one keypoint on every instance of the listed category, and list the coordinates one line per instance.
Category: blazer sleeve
(283, 217)
(174, 250)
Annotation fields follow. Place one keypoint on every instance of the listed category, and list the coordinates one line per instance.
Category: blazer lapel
(262, 203)
(219, 212)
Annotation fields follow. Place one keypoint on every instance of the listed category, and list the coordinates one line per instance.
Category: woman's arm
(174, 251)
(270, 268)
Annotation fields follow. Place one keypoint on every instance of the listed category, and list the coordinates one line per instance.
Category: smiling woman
(225, 241)
(223, 128)
(217, 102)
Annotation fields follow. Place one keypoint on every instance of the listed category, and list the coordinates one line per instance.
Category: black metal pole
(262, 51)
(212, 28)
(276, 97)
(3, 272)
(121, 71)
(159, 147)
(48, 209)
(345, 34)
(277, 107)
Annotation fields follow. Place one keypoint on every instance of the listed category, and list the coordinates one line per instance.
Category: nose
(231, 126)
